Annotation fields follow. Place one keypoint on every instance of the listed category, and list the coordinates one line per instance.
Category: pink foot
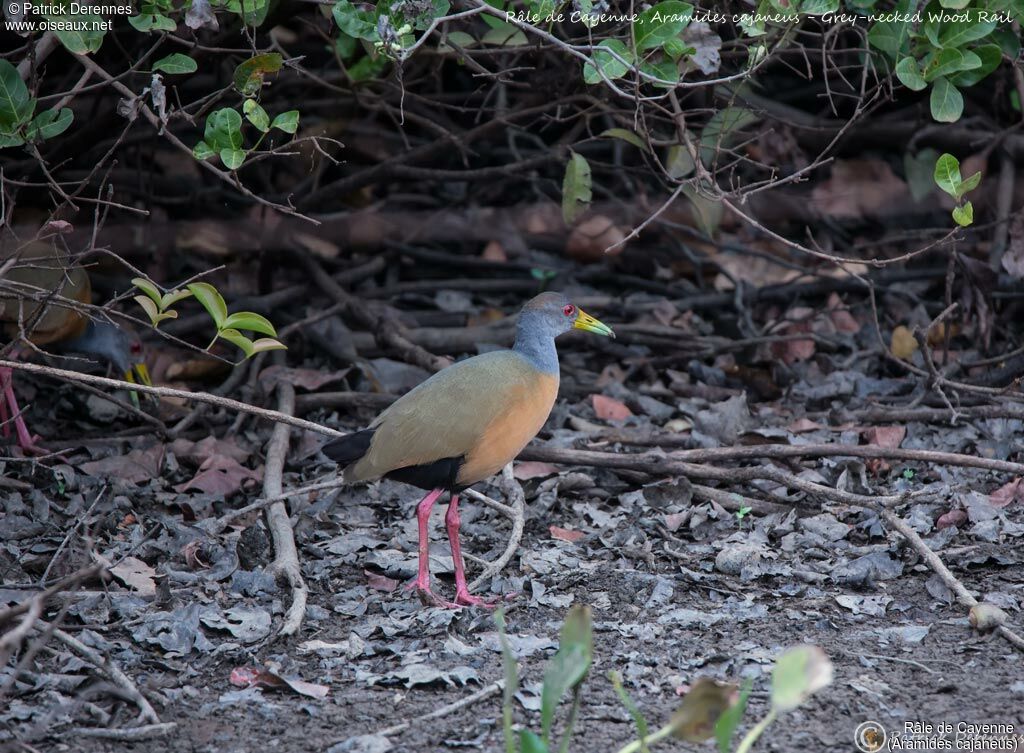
(465, 598)
(429, 599)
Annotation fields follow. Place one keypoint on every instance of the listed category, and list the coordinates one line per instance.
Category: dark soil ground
(679, 590)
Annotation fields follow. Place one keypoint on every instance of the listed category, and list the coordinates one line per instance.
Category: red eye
(136, 348)
(569, 310)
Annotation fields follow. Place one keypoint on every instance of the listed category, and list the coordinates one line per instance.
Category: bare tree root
(286, 556)
(516, 512)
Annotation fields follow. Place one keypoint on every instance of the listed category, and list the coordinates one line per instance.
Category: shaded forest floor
(682, 585)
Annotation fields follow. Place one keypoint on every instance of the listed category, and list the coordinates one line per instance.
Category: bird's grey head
(113, 345)
(552, 314)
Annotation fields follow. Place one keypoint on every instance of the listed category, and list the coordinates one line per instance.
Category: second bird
(464, 424)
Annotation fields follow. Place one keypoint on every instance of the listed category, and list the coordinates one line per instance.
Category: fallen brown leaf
(889, 437)
(566, 534)
(528, 469)
(609, 409)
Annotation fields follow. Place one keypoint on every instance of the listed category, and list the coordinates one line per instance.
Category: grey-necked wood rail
(464, 424)
(39, 290)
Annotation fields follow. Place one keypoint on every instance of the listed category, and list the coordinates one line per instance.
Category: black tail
(348, 449)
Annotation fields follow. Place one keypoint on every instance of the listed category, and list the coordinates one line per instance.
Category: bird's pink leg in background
(462, 594)
(422, 582)
(25, 439)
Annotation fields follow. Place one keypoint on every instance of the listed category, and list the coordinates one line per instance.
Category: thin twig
(286, 556)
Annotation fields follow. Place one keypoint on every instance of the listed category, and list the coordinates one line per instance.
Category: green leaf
(357, 22)
(265, 343)
(252, 12)
(919, 170)
(10, 139)
(631, 707)
(49, 123)
(155, 314)
(460, 38)
(505, 35)
(969, 184)
(530, 743)
(959, 33)
(211, 300)
(149, 288)
(663, 70)
(606, 63)
(83, 40)
(954, 4)
(722, 129)
(149, 307)
(946, 61)
(494, 21)
(232, 158)
(16, 105)
(947, 103)
(624, 134)
(658, 24)
(576, 188)
(990, 55)
(346, 46)
(729, 721)
(568, 667)
(286, 121)
(169, 299)
(223, 129)
(203, 151)
(964, 215)
(798, 673)
(237, 338)
(1008, 42)
(176, 64)
(248, 75)
(709, 212)
(889, 37)
(909, 75)
(675, 48)
(947, 174)
(152, 22)
(678, 162)
(250, 321)
(367, 68)
(819, 7)
(256, 115)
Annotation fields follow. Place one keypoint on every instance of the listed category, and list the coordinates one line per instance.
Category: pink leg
(462, 594)
(25, 439)
(5, 376)
(422, 582)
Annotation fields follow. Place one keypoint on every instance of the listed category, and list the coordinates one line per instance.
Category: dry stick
(661, 464)
(840, 450)
(286, 556)
(935, 563)
(131, 734)
(480, 695)
(204, 397)
(516, 511)
(735, 502)
(388, 332)
(64, 583)
(878, 503)
(108, 668)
